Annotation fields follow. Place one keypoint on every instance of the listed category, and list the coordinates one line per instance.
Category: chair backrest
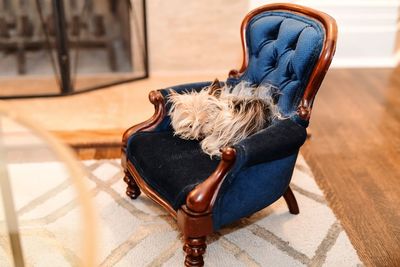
(290, 47)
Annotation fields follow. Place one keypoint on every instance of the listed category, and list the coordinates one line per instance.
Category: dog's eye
(190, 126)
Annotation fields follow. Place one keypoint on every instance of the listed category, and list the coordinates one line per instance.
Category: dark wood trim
(321, 67)
(157, 99)
(291, 201)
(194, 249)
(201, 198)
(132, 189)
(195, 218)
(196, 221)
(195, 228)
(194, 224)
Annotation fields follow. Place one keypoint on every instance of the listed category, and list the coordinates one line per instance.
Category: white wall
(368, 30)
(194, 37)
(202, 37)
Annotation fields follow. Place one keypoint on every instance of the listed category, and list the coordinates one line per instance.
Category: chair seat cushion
(171, 166)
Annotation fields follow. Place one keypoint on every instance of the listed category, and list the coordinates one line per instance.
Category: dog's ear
(215, 88)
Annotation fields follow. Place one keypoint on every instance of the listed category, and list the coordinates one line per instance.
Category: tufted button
(293, 46)
(275, 33)
(290, 68)
(275, 56)
(274, 64)
(290, 71)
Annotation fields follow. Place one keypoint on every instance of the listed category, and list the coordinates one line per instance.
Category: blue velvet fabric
(261, 173)
(173, 167)
(250, 189)
(279, 140)
(282, 50)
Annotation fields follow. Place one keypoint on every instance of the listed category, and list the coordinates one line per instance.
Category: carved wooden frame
(195, 217)
(324, 61)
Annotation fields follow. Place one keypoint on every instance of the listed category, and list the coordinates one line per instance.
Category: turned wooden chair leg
(132, 190)
(291, 201)
(194, 249)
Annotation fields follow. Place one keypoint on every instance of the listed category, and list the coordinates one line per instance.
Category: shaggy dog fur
(222, 116)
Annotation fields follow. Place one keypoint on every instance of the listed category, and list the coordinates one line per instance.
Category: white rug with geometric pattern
(139, 233)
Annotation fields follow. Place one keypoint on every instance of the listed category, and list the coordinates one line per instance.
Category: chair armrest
(202, 197)
(157, 99)
(279, 140)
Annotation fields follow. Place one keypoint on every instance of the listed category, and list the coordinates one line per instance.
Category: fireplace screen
(53, 47)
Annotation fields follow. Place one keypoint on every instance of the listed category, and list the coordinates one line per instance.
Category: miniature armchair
(286, 45)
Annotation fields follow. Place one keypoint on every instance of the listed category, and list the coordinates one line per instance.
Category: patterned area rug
(139, 233)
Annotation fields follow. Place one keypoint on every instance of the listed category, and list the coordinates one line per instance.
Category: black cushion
(170, 165)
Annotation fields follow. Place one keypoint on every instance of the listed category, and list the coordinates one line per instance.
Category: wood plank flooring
(354, 153)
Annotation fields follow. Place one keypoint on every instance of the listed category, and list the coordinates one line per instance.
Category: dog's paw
(211, 146)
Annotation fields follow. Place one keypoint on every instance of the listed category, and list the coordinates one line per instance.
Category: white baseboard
(365, 62)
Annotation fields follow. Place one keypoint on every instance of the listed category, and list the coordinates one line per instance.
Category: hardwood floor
(354, 151)
(92, 144)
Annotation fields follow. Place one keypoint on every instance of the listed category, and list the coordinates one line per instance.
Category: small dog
(222, 116)
(192, 113)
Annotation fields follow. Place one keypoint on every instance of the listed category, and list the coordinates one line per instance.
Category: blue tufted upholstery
(282, 50)
(248, 190)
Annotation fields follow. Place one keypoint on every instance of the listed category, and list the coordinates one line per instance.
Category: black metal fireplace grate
(84, 44)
